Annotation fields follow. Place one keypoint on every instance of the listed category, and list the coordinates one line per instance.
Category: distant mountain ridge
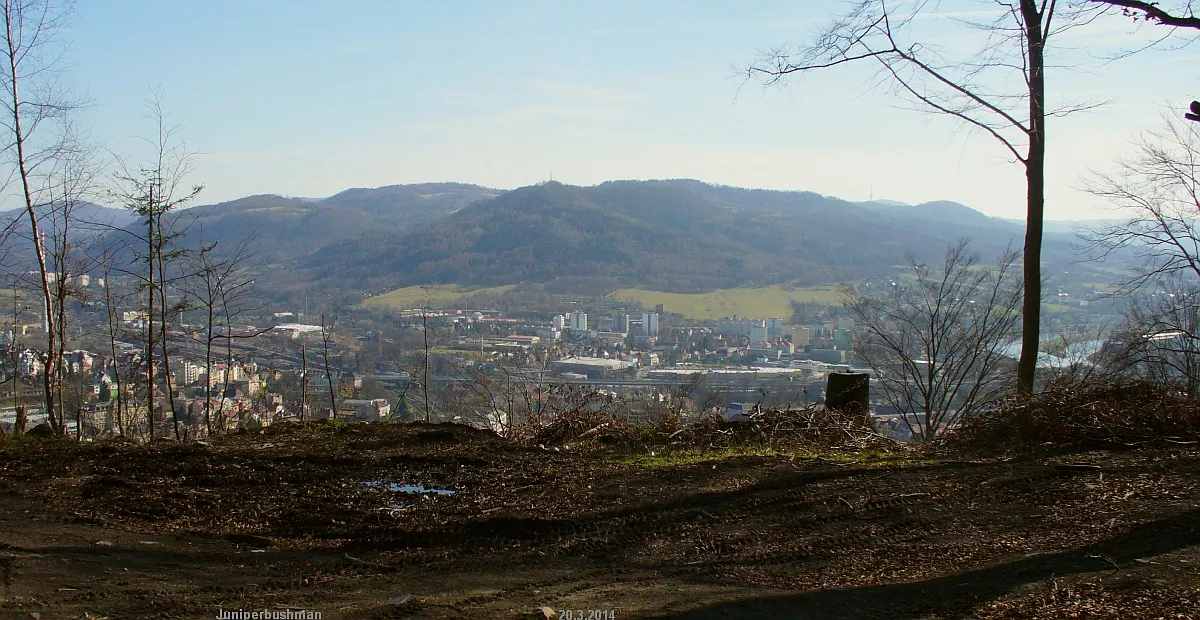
(85, 215)
(949, 211)
(87, 222)
(287, 228)
(678, 235)
(674, 235)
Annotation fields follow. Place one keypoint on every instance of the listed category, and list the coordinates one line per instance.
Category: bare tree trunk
(163, 311)
(14, 56)
(61, 328)
(303, 378)
(79, 422)
(228, 368)
(425, 333)
(150, 317)
(325, 336)
(112, 344)
(1035, 174)
(20, 412)
(208, 343)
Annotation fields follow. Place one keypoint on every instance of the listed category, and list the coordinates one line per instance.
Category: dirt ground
(311, 519)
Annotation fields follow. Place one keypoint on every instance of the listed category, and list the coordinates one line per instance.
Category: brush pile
(1073, 416)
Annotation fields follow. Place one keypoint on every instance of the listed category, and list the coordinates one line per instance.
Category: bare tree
(999, 90)
(34, 103)
(70, 182)
(1179, 16)
(1159, 189)
(113, 320)
(937, 343)
(326, 337)
(220, 281)
(1160, 341)
(304, 377)
(152, 191)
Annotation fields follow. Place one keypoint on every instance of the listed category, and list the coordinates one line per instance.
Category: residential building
(29, 364)
(370, 410)
(760, 349)
(190, 372)
(650, 323)
(801, 336)
(134, 318)
(774, 328)
(758, 333)
(737, 327)
(579, 321)
(620, 323)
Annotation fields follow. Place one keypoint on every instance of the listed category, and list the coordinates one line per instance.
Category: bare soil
(303, 518)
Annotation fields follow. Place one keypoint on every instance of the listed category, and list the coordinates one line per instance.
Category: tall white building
(560, 322)
(774, 328)
(650, 323)
(758, 333)
(579, 321)
(187, 372)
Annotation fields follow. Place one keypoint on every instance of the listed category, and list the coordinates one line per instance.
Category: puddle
(415, 489)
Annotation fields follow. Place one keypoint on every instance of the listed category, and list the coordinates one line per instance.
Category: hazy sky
(308, 98)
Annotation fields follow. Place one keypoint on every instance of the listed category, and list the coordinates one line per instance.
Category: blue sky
(308, 98)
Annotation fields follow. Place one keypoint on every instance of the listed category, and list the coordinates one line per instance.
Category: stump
(848, 392)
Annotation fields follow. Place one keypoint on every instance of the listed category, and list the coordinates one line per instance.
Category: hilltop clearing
(321, 517)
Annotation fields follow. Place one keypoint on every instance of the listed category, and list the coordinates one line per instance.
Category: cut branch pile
(771, 428)
(1110, 415)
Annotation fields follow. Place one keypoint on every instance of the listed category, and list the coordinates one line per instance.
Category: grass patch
(751, 303)
(417, 296)
(1059, 308)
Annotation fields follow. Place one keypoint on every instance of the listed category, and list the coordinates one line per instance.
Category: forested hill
(674, 235)
(652, 235)
(287, 229)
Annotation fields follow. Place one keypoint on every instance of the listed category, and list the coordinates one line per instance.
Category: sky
(304, 98)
